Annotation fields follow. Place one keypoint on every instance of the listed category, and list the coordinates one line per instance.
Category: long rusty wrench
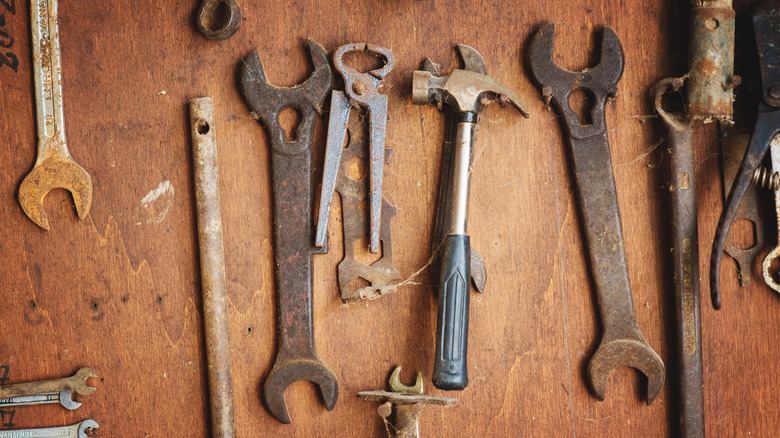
(622, 344)
(291, 177)
(54, 167)
(76, 383)
(685, 251)
(212, 267)
(360, 90)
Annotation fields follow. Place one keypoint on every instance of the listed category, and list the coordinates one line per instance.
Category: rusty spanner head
(207, 13)
(55, 173)
(559, 83)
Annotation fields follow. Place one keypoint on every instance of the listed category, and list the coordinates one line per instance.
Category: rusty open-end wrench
(685, 251)
(291, 175)
(54, 167)
(78, 430)
(622, 344)
(77, 383)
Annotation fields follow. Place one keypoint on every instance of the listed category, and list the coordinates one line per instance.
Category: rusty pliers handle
(766, 25)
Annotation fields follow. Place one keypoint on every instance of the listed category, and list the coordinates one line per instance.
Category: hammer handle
(449, 369)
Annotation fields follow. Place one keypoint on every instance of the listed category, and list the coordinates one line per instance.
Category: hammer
(466, 93)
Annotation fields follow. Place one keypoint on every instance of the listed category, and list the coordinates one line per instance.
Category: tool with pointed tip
(78, 430)
(685, 251)
(207, 13)
(408, 402)
(466, 93)
(766, 25)
(361, 90)
(54, 167)
(291, 178)
(77, 383)
(622, 344)
(64, 398)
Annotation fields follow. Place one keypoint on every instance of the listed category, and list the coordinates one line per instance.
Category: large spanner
(78, 430)
(291, 175)
(76, 383)
(54, 167)
(622, 344)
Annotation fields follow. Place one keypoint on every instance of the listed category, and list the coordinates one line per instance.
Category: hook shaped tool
(766, 24)
(361, 90)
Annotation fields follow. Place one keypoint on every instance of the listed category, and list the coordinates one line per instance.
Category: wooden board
(120, 291)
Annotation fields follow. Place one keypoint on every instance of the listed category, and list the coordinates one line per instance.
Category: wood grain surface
(120, 290)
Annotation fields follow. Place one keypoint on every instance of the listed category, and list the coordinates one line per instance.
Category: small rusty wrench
(622, 344)
(208, 9)
(408, 402)
(54, 167)
(360, 90)
(291, 175)
(64, 398)
(766, 24)
(78, 430)
(685, 250)
(77, 383)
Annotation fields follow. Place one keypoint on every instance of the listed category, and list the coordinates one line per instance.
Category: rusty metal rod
(212, 267)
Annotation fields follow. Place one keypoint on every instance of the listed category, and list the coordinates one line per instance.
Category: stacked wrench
(685, 252)
(54, 167)
(291, 176)
(466, 93)
(408, 402)
(78, 430)
(361, 90)
(766, 25)
(622, 343)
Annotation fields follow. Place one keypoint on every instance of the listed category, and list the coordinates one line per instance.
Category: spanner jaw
(625, 352)
(285, 372)
(86, 425)
(55, 174)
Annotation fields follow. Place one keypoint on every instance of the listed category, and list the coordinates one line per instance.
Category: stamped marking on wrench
(291, 175)
(78, 430)
(54, 167)
(622, 344)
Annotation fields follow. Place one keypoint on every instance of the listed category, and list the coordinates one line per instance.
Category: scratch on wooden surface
(164, 195)
(593, 420)
(723, 418)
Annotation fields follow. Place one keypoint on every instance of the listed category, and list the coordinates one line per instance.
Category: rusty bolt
(385, 409)
(547, 93)
(677, 83)
(774, 91)
(359, 88)
(736, 80)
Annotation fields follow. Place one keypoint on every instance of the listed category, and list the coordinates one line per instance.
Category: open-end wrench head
(677, 120)
(616, 353)
(397, 386)
(85, 426)
(79, 381)
(55, 173)
(557, 83)
(266, 101)
(286, 372)
(206, 18)
(67, 402)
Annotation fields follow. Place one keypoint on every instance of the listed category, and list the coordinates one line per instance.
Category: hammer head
(462, 90)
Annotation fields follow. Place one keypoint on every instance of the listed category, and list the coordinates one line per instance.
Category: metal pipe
(212, 267)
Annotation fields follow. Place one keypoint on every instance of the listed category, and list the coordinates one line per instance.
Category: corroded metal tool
(685, 244)
(466, 93)
(207, 16)
(353, 189)
(361, 90)
(78, 430)
(54, 167)
(77, 383)
(766, 25)
(408, 402)
(212, 267)
(622, 343)
(291, 178)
